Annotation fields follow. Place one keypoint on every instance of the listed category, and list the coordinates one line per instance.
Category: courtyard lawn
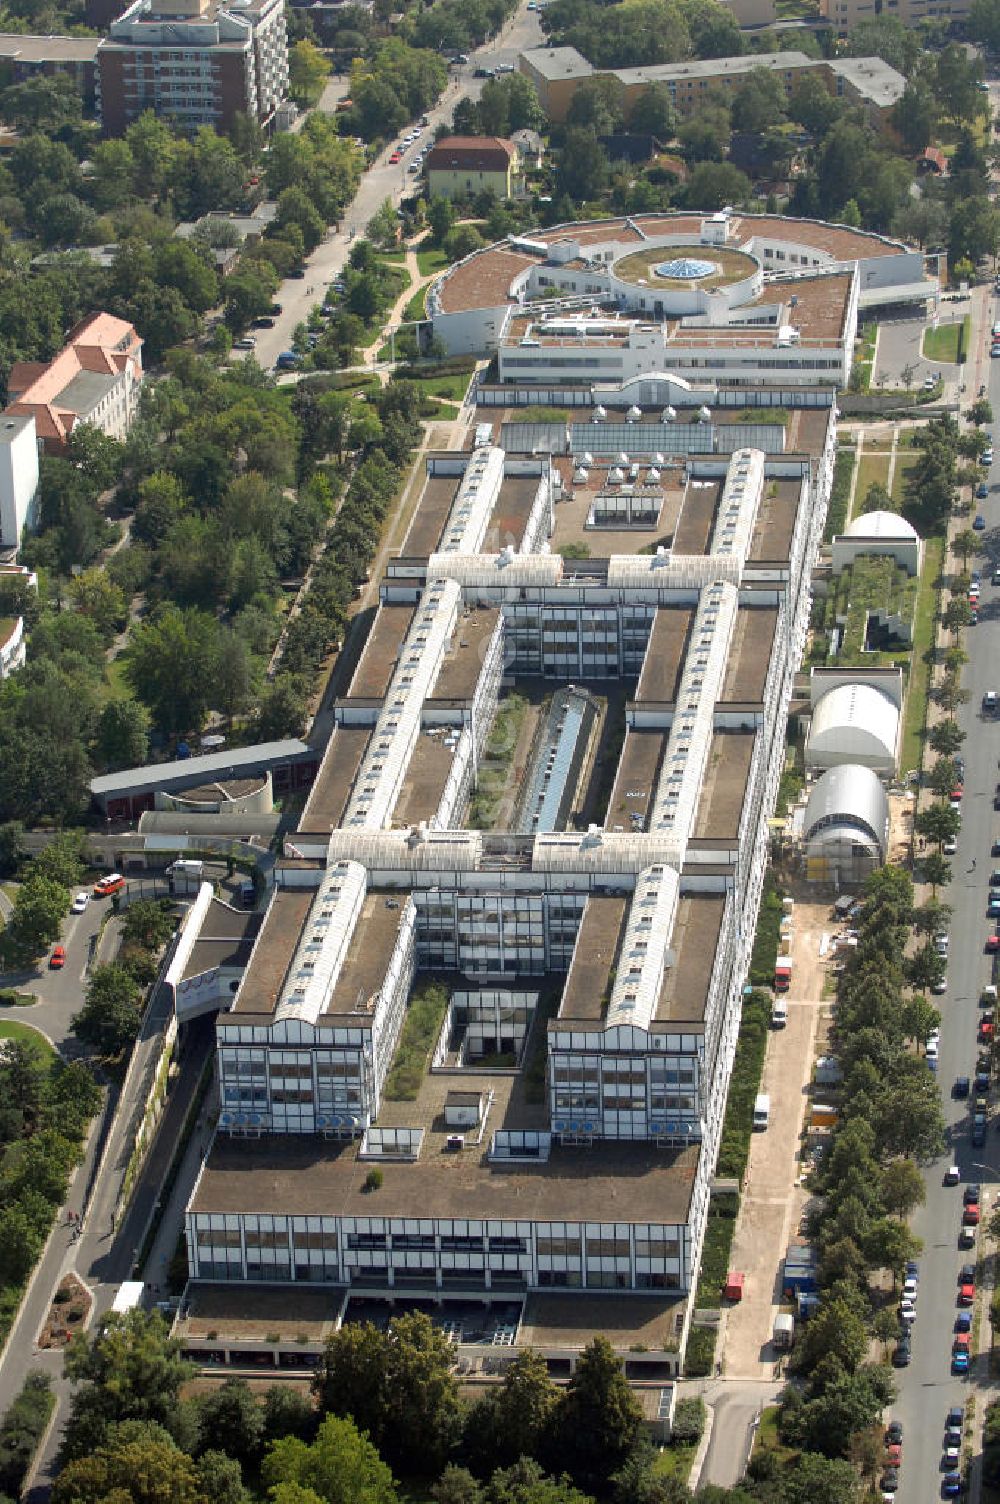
(943, 342)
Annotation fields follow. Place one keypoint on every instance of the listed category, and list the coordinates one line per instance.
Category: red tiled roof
(471, 154)
(100, 343)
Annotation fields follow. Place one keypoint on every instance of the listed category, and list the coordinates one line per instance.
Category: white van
(779, 1013)
(761, 1112)
(186, 868)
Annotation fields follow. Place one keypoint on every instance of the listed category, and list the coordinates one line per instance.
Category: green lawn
(416, 308)
(10, 1029)
(942, 343)
(767, 1439)
(873, 470)
(453, 388)
(675, 1461)
(924, 622)
(431, 260)
(899, 478)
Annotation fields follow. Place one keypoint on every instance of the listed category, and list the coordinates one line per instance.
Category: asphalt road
(927, 1388)
(381, 181)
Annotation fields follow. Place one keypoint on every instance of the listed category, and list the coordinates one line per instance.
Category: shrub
(699, 1355)
(373, 1180)
(689, 1416)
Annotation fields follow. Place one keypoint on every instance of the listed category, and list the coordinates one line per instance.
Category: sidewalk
(772, 1198)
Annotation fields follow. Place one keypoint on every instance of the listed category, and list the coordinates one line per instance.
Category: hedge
(699, 1355)
(840, 492)
(748, 1066)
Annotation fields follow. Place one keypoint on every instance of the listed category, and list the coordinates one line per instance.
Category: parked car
(979, 523)
(893, 1432)
(963, 1321)
(901, 1354)
(960, 1363)
(80, 902)
(57, 960)
(951, 1484)
(952, 1175)
(970, 1216)
(982, 490)
(960, 1090)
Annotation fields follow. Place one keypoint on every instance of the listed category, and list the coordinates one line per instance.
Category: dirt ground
(773, 1198)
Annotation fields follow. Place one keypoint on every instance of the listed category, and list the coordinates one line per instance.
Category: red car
(57, 960)
(985, 1030)
(970, 1215)
(961, 1343)
(992, 943)
(966, 1295)
(894, 1455)
(396, 157)
(957, 792)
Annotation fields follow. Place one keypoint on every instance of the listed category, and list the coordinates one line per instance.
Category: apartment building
(196, 62)
(95, 379)
(461, 165)
(23, 58)
(845, 14)
(558, 72)
(565, 1133)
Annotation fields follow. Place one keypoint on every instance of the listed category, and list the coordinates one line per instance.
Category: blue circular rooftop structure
(686, 269)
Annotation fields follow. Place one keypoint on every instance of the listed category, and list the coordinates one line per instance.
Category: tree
(915, 115)
(834, 1331)
(937, 822)
(888, 1245)
(965, 543)
(814, 1479)
(308, 71)
(232, 1420)
(440, 218)
(946, 737)
(957, 613)
(956, 81)
(383, 227)
(583, 165)
(936, 870)
(462, 241)
(109, 1019)
(61, 860)
(131, 1369)
(597, 1420)
(984, 23)
(513, 1419)
(221, 1479)
(759, 102)
(39, 908)
(924, 967)
(526, 1483)
(397, 1386)
(150, 923)
(653, 113)
(704, 136)
(715, 184)
(981, 411)
(340, 1467)
(973, 231)
(100, 600)
(170, 666)
(138, 1462)
(599, 102)
(851, 1403)
(281, 709)
(123, 734)
(903, 1188)
(11, 847)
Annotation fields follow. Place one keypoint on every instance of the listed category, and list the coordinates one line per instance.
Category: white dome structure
(881, 525)
(845, 829)
(854, 723)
